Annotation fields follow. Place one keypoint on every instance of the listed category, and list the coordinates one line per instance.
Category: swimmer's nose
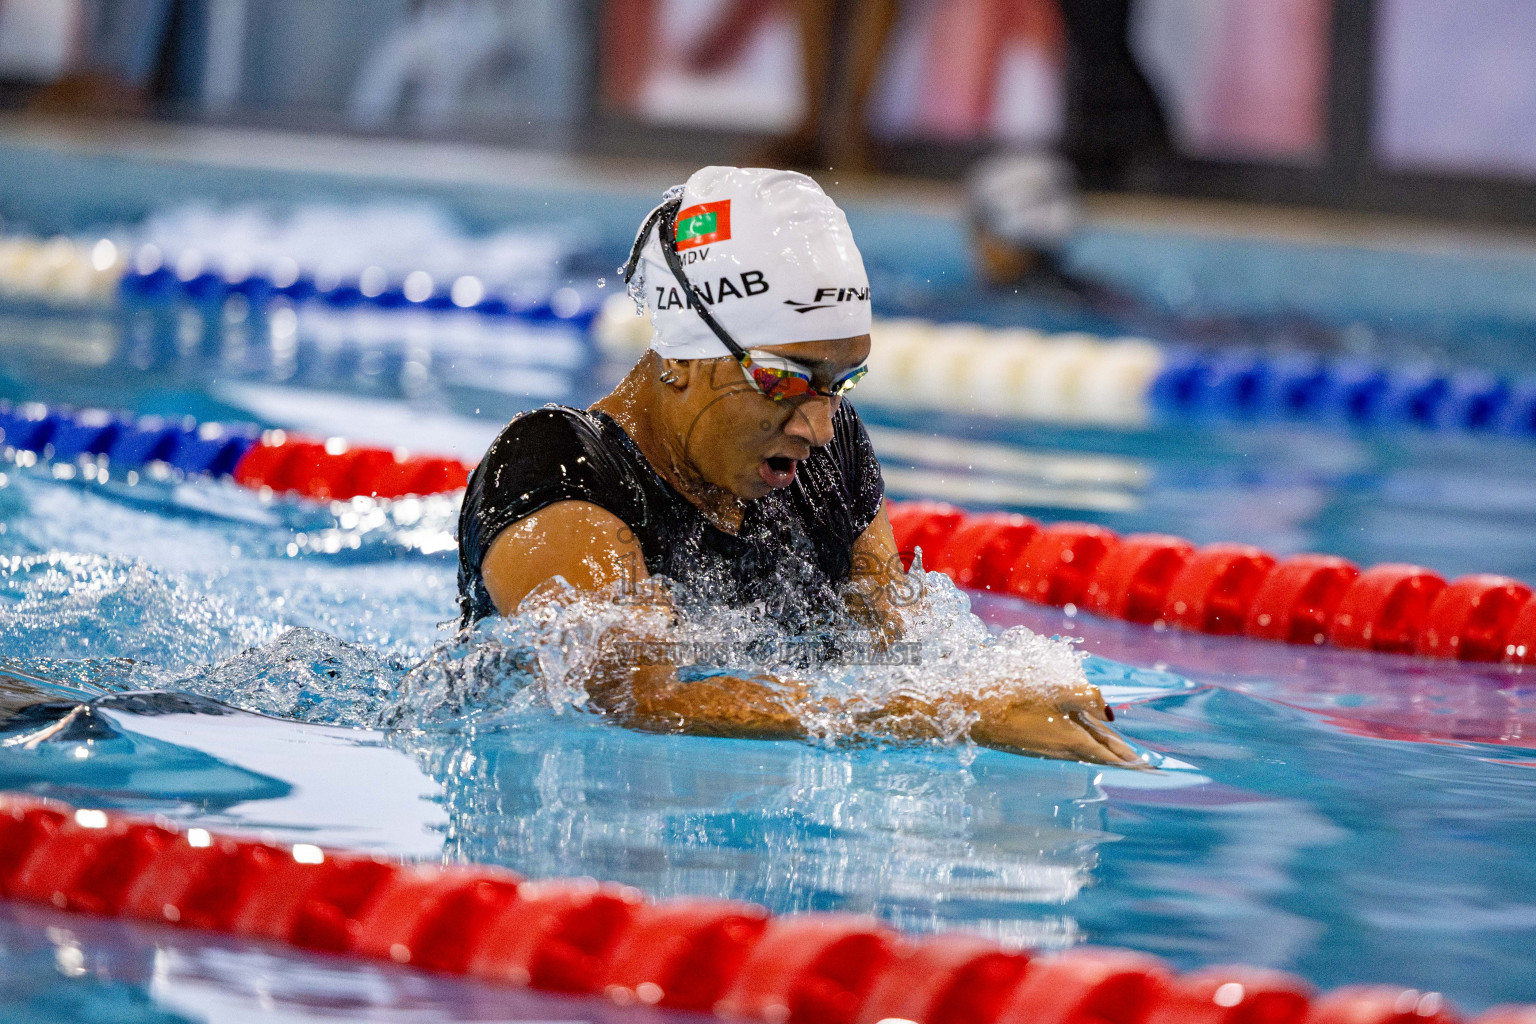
(811, 421)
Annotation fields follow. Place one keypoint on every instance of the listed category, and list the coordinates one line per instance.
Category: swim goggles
(780, 378)
(776, 377)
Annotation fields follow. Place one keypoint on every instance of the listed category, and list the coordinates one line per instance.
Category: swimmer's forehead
(830, 355)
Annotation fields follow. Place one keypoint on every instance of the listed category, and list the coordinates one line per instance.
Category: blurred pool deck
(426, 162)
(1383, 287)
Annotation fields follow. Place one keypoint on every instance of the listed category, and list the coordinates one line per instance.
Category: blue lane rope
(1354, 392)
(162, 285)
(127, 443)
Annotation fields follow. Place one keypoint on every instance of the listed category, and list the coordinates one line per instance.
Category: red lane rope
(333, 470)
(1225, 588)
(581, 937)
(1146, 578)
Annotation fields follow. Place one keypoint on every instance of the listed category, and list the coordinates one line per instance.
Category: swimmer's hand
(1066, 725)
(648, 694)
(1069, 726)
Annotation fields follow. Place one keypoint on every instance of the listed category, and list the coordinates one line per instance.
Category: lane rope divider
(1153, 579)
(1016, 372)
(1079, 378)
(1224, 589)
(585, 938)
(67, 272)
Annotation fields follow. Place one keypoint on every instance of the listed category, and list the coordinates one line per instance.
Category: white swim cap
(769, 254)
(1027, 199)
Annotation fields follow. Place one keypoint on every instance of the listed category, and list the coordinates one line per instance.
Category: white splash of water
(547, 655)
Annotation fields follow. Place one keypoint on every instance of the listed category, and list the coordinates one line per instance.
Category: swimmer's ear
(676, 372)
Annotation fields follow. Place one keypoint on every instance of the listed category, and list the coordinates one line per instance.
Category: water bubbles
(285, 272)
(327, 278)
(305, 674)
(372, 281)
(635, 287)
(602, 282)
(49, 602)
(148, 259)
(284, 323)
(69, 958)
(189, 264)
(467, 291)
(236, 266)
(839, 685)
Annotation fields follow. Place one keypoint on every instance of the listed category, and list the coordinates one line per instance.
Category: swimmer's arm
(1068, 726)
(646, 694)
(761, 707)
(878, 583)
(1064, 725)
(586, 544)
(592, 549)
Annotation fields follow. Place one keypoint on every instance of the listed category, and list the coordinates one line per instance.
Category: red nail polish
(1109, 713)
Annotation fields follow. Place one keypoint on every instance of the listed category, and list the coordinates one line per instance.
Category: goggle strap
(645, 233)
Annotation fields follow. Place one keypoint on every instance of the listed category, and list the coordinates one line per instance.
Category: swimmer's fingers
(1067, 733)
(1077, 737)
(1110, 746)
(1087, 698)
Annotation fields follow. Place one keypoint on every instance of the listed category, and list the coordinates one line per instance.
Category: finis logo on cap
(826, 298)
(703, 224)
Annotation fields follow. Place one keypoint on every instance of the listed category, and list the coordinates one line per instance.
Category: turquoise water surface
(1350, 817)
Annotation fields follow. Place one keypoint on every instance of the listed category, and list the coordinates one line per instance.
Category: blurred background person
(842, 43)
(1021, 210)
(961, 68)
(1112, 117)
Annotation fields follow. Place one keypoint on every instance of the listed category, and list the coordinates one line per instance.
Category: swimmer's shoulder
(551, 454)
(549, 427)
(541, 441)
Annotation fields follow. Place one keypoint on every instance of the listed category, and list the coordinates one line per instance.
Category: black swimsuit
(793, 549)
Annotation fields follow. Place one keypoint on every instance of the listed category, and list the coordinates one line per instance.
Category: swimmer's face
(743, 441)
(1002, 263)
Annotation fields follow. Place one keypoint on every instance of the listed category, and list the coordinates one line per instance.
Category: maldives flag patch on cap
(703, 224)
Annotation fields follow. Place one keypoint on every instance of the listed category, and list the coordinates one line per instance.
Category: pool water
(1347, 816)
(1350, 817)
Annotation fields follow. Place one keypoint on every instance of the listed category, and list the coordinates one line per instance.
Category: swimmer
(1023, 209)
(730, 461)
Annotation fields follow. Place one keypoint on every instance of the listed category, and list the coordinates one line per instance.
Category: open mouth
(778, 470)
